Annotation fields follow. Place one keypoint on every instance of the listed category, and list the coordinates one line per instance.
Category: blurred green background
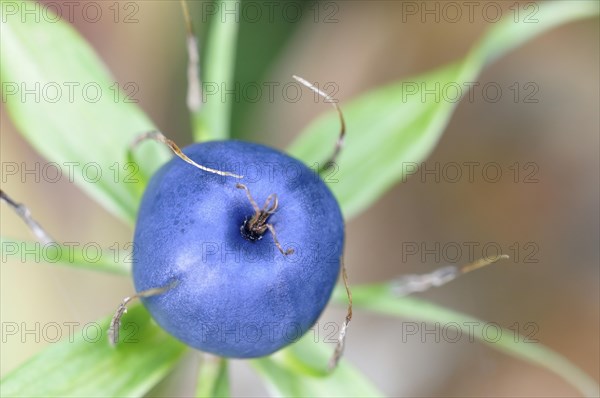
(372, 43)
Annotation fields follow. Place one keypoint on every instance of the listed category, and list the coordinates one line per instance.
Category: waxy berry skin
(231, 296)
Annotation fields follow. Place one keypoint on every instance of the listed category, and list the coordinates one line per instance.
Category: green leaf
(378, 298)
(213, 379)
(75, 114)
(300, 370)
(261, 41)
(212, 121)
(393, 128)
(507, 35)
(88, 366)
(71, 254)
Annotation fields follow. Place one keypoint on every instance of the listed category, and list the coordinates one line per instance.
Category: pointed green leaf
(300, 370)
(88, 366)
(71, 110)
(378, 298)
(213, 120)
(393, 128)
(213, 379)
(71, 254)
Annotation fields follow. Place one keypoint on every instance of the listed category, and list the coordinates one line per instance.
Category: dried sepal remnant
(482, 262)
(342, 136)
(413, 283)
(159, 137)
(341, 344)
(256, 226)
(115, 323)
(23, 212)
(194, 91)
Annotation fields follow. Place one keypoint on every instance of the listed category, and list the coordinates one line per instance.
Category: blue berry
(230, 290)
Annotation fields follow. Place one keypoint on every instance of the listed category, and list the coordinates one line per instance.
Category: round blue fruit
(231, 291)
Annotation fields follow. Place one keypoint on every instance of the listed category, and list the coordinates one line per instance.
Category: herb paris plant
(65, 368)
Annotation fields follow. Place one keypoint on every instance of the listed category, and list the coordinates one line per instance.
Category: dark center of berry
(250, 231)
